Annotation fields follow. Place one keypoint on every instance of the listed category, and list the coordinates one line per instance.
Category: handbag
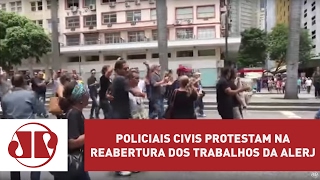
(75, 164)
(168, 112)
(54, 107)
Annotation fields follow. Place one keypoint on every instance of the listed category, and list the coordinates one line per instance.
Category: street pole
(55, 54)
(162, 17)
(226, 54)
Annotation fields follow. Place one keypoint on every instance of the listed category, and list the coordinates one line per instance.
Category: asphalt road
(205, 175)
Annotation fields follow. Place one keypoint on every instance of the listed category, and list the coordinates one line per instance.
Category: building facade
(270, 13)
(262, 19)
(94, 33)
(243, 15)
(310, 12)
(283, 11)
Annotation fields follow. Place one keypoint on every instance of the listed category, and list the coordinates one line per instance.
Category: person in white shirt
(308, 85)
(142, 85)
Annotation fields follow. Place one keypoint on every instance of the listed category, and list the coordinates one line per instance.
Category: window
(16, 6)
(206, 33)
(71, 3)
(184, 13)
(109, 18)
(185, 33)
(206, 12)
(49, 4)
(185, 53)
(92, 58)
(207, 52)
(92, 38)
(88, 2)
(111, 57)
(136, 36)
(108, 1)
(90, 20)
(313, 33)
(40, 23)
(153, 14)
(112, 38)
(3, 7)
(313, 20)
(72, 22)
(137, 56)
(133, 16)
(36, 6)
(73, 40)
(74, 59)
(154, 35)
(156, 55)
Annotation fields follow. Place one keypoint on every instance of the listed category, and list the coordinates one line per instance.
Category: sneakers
(124, 173)
(201, 115)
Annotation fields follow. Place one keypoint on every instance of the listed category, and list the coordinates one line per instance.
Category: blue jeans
(41, 99)
(157, 108)
(199, 104)
(94, 106)
(33, 175)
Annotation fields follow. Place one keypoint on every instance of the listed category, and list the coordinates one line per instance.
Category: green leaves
(20, 39)
(253, 47)
(255, 44)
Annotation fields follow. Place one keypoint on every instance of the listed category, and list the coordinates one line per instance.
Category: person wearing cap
(157, 93)
(93, 91)
(39, 86)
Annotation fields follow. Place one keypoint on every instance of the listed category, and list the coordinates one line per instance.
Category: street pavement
(206, 175)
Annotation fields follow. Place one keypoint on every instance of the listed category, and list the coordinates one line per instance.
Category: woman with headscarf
(75, 99)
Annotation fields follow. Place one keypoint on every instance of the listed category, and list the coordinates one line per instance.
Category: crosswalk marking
(290, 115)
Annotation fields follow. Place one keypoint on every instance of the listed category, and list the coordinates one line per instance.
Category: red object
(296, 138)
(250, 70)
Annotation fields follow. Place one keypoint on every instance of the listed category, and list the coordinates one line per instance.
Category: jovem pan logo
(34, 145)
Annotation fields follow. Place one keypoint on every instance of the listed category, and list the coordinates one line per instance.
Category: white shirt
(142, 85)
(308, 82)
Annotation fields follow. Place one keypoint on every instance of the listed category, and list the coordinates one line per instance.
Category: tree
(293, 50)
(278, 41)
(20, 39)
(162, 17)
(253, 47)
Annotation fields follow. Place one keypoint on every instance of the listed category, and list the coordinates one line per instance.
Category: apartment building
(283, 11)
(262, 19)
(96, 32)
(310, 12)
(243, 15)
(270, 14)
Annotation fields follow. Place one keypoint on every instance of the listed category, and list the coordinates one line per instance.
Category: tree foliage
(20, 39)
(256, 44)
(278, 40)
(253, 47)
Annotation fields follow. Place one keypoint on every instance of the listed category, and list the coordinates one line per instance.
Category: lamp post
(226, 29)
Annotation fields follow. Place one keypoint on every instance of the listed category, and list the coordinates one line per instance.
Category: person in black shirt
(39, 86)
(104, 94)
(225, 94)
(75, 99)
(93, 91)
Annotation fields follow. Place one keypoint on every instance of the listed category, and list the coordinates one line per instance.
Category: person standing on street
(104, 92)
(120, 90)
(39, 86)
(157, 92)
(225, 94)
(20, 104)
(308, 85)
(93, 91)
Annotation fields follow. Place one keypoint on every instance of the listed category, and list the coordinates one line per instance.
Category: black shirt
(120, 104)
(224, 100)
(91, 80)
(75, 123)
(105, 84)
(38, 89)
(235, 102)
(183, 106)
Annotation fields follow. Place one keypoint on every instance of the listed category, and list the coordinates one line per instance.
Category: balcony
(121, 45)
